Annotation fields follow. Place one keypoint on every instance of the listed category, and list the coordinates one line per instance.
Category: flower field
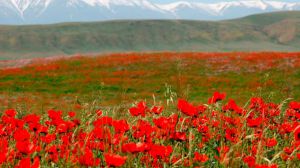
(213, 134)
(152, 110)
(114, 79)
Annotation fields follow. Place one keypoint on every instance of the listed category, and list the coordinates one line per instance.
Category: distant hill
(272, 31)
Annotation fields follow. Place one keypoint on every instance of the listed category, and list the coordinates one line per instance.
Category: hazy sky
(213, 1)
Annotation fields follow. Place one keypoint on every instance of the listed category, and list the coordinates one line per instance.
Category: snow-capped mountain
(54, 11)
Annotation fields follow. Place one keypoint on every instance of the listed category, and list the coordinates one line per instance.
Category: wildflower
(266, 166)
(232, 106)
(55, 115)
(120, 126)
(297, 134)
(256, 102)
(216, 97)
(187, 108)
(99, 112)
(71, 114)
(223, 149)
(142, 129)
(25, 147)
(48, 138)
(294, 105)
(87, 159)
(271, 142)
(31, 118)
(11, 113)
(21, 135)
(26, 163)
(157, 109)
(159, 151)
(135, 147)
(286, 127)
(200, 157)
(288, 150)
(254, 122)
(114, 160)
(140, 109)
(231, 134)
(3, 150)
(61, 128)
(179, 136)
(105, 120)
(249, 160)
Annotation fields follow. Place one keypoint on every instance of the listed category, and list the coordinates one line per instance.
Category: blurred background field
(115, 79)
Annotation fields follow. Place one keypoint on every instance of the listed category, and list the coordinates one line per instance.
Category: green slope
(272, 31)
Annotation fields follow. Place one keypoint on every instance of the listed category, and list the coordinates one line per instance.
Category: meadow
(123, 78)
(164, 109)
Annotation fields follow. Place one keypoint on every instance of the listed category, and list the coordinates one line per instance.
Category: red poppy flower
(187, 108)
(271, 142)
(71, 114)
(179, 136)
(167, 123)
(232, 106)
(99, 112)
(140, 109)
(101, 133)
(201, 108)
(11, 113)
(162, 122)
(53, 153)
(3, 150)
(204, 129)
(286, 127)
(31, 118)
(142, 129)
(21, 135)
(3, 157)
(231, 134)
(48, 138)
(266, 166)
(256, 102)
(223, 149)
(25, 147)
(135, 147)
(294, 105)
(200, 157)
(120, 126)
(88, 159)
(55, 115)
(62, 128)
(157, 109)
(105, 120)
(249, 160)
(288, 150)
(254, 122)
(159, 151)
(297, 134)
(216, 97)
(26, 163)
(114, 160)
(36, 162)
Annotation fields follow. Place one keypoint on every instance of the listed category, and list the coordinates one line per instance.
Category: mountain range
(56, 11)
(279, 31)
